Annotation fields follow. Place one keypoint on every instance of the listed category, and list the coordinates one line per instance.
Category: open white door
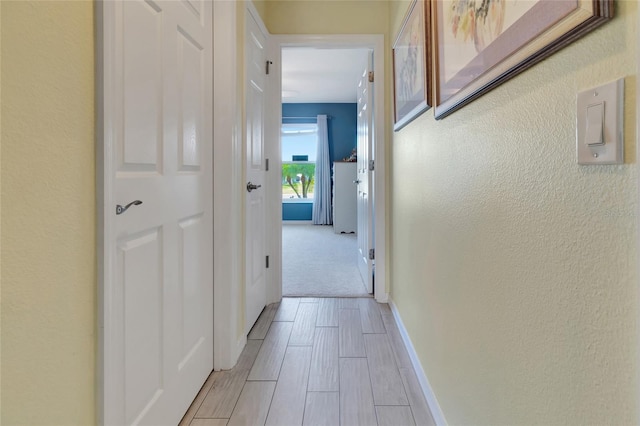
(157, 274)
(256, 280)
(364, 180)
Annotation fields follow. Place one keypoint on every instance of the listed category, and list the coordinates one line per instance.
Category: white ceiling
(314, 75)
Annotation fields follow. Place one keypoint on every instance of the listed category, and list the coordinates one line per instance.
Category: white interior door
(256, 282)
(364, 180)
(158, 279)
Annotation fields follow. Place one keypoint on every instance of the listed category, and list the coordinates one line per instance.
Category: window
(299, 145)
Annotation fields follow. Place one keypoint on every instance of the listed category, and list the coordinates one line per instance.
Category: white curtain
(322, 190)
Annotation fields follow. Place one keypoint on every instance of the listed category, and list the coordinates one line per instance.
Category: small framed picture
(412, 65)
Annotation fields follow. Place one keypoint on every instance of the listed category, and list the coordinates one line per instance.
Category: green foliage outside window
(297, 180)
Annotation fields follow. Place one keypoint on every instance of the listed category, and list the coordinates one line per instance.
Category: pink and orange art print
(482, 43)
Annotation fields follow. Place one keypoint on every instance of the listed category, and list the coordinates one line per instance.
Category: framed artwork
(412, 65)
(480, 44)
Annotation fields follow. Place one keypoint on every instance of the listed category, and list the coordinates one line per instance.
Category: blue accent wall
(342, 129)
(342, 125)
(297, 211)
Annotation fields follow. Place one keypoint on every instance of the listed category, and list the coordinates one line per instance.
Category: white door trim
(105, 29)
(637, 212)
(368, 41)
(227, 189)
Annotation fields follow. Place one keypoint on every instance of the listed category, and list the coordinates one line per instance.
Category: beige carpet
(318, 262)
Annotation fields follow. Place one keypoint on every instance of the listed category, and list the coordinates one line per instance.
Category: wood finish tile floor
(317, 361)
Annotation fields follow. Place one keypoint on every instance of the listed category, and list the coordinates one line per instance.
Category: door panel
(195, 6)
(141, 265)
(192, 290)
(190, 61)
(256, 99)
(143, 88)
(365, 180)
(158, 104)
(255, 291)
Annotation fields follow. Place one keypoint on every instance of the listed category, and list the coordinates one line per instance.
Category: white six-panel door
(158, 288)
(256, 281)
(364, 180)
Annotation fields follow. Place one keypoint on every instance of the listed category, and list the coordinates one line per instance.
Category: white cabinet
(345, 216)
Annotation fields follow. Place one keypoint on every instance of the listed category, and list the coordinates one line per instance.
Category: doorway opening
(320, 248)
(320, 76)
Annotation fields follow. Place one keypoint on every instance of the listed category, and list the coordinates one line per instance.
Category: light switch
(595, 124)
(599, 124)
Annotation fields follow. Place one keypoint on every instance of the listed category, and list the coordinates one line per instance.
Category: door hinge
(370, 76)
(267, 67)
(266, 164)
(267, 262)
(372, 165)
(372, 254)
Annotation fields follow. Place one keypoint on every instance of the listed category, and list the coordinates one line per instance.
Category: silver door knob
(121, 209)
(251, 186)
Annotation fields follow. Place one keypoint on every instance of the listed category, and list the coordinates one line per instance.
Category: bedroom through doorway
(319, 135)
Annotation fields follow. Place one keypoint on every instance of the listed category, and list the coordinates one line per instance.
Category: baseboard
(432, 402)
(297, 222)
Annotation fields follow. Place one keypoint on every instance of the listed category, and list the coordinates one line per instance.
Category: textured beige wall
(261, 7)
(48, 225)
(327, 17)
(0, 212)
(514, 268)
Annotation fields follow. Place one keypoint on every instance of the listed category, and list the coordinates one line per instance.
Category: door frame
(228, 339)
(637, 212)
(273, 149)
(105, 222)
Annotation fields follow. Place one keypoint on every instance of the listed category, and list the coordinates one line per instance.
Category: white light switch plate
(610, 95)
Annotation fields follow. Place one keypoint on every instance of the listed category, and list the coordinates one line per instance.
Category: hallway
(316, 361)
